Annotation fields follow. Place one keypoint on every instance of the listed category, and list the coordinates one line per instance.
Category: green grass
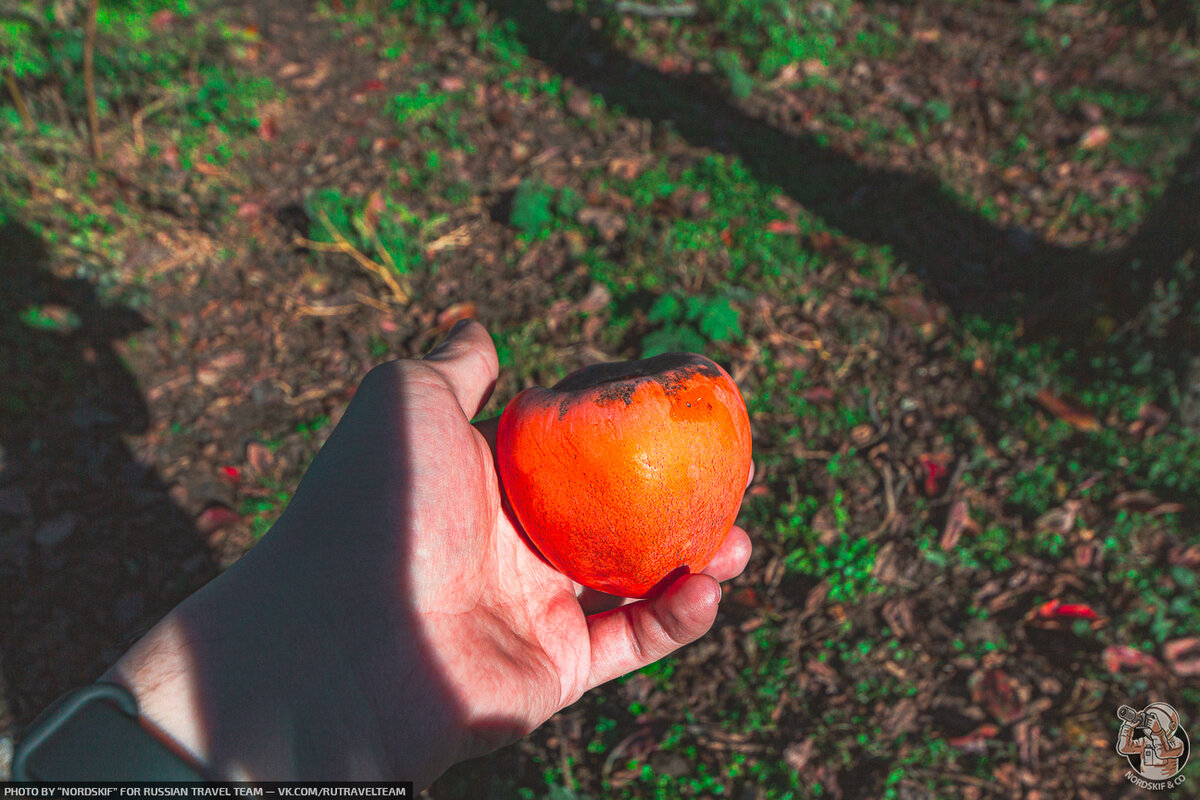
(376, 226)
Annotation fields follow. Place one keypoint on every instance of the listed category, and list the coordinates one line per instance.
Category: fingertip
(467, 359)
(732, 557)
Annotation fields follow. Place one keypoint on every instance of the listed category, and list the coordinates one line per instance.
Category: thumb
(632, 636)
(467, 360)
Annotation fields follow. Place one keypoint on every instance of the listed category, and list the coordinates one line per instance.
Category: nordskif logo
(1155, 744)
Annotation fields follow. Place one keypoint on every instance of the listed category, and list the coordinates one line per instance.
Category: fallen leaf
(924, 316)
(1095, 137)
(216, 517)
(1185, 556)
(936, 473)
(814, 66)
(901, 718)
(267, 129)
(1056, 609)
(597, 299)
(797, 756)
(974, 741)
(1119, 658)
(249, 210)
(1183, 656)
(161, 20)
(368, 87)
(1144, 502)
(626, 168)
(231, 474)
(957, 521)
(927, 35)
(999, 693)
(453, 314)
(259, 458)
(1150, 420)
(608, 224)
(819, 395)
(1068, 410)
(783, 226)
(747, 598)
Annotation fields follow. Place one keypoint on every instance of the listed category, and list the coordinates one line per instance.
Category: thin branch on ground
(89, 78)
(649, 10)
(14, 90)
(139, 117)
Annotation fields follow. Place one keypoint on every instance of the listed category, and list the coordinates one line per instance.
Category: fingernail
(441, 345)
(454, 331)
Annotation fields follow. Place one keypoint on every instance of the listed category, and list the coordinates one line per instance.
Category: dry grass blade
(341, 245)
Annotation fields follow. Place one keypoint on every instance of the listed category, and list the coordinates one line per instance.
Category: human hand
(394, 621)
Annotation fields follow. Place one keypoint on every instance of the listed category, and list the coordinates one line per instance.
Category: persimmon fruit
(624, 474)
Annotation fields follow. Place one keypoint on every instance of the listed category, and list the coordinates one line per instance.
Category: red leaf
(216, 517)
(975, 739)
(783, 226)
(231, 474)
(367, 87)
(1057, 609)
(935, 473)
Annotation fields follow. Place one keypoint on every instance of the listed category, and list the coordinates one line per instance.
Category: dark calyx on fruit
(618, 380)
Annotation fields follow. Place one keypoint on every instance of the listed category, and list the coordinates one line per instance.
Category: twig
(89, 78)
(325, 311)
(568, 778)
(139, 116)
(341, 245)
(18, 99)
(649, 10)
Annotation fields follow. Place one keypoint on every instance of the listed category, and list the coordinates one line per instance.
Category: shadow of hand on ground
(92, 549)
(965, 261)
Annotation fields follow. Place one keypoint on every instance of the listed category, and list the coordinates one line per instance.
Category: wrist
(155, 671)
(253, 682)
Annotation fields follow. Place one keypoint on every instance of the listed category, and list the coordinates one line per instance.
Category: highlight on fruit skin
(624, 474)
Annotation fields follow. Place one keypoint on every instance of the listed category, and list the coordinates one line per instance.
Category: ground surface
(946, 249)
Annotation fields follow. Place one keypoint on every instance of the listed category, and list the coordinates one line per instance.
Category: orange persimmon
(625, 474)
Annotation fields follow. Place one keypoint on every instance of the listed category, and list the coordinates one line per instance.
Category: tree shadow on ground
(1008, 275)
(92, 548)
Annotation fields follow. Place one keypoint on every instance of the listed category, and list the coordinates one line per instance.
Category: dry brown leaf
(1095, 137)
(454, 314)
(957, 521)
(1068, 411)
(797, 756)
(1119, 658)
(1183, 656)
(626, 168)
